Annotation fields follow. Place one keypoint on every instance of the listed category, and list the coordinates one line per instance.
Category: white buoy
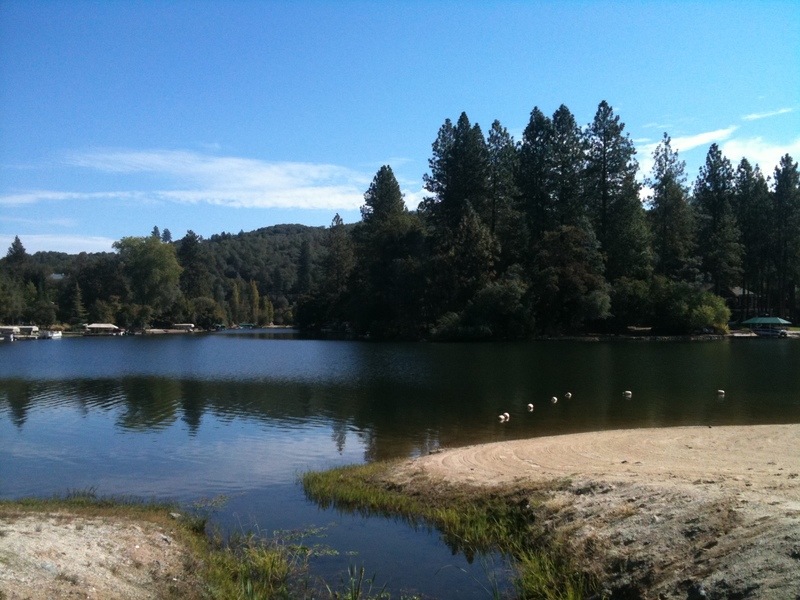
(501, 418)
(507, 416)
(720, 392)
(553, 399)
(627, 394)
(530, 407)
(568, 395)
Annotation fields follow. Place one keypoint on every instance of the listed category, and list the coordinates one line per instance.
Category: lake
(242, 414)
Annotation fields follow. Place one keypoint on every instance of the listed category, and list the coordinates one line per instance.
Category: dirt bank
(61, 554)
(689, 512)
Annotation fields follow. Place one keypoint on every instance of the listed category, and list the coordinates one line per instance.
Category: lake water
(242, 414)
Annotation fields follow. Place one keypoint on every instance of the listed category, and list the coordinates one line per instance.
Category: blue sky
(214, 116)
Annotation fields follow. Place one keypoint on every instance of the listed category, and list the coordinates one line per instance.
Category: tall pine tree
(718, 235)
(670, 215)
(612, 197)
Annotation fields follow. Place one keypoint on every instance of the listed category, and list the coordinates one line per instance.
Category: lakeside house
(8, 333)
(102, 329)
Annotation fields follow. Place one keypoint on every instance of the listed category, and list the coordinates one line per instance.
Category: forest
(555, 234)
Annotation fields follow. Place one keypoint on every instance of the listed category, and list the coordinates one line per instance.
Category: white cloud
(71, 244)
(413, 198)
(766, 115)
(688, 142)
(681, 144)
(36, 196)
(235, 181)
(759, 152)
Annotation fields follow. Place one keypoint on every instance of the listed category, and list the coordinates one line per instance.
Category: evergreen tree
(255, 302)
(786, 236)
(304, 268)
(535, 167)
(567, 174)
(568, 286)
(504, 222)
(457, 274)
(166, 236)
(459, 175)
(670, 214)
(196, 278)
(78, 312)
(387, 278)
(612, 197)
(235, 304)
(156, 233)
(339, 261)
(16, 256)
(718, 239)
(383, 199)
(753, 209)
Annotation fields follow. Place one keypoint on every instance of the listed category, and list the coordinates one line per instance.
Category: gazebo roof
(766, 321)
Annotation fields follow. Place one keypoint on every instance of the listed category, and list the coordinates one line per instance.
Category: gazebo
(767, 326)
(766, 322)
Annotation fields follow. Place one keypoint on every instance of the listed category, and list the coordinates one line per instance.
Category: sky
(224, 116)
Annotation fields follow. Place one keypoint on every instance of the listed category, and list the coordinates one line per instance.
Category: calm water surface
(242, 414)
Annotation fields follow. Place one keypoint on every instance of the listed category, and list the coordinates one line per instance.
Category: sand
(686, 512)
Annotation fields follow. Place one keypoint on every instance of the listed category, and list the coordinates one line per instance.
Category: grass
(248, 566)
(471, 521)
(245, 566)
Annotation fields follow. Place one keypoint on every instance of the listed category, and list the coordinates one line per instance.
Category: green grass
(249, 566)
(471, 521)
(245, 566)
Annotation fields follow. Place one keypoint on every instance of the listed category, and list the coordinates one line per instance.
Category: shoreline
(654, 513)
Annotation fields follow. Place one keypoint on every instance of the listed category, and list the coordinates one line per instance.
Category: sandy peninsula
(687, 512)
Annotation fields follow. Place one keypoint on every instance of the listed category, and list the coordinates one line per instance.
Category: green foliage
(548, 231)
(681, 308)
(671, 217)
(568, 286)
(152, 269)
(718, 233)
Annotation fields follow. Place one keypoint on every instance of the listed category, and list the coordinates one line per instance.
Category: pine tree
(612, 197)
(786, 236)
(504, 222)
(459, 175)
(255, 302)
(535, 166)
(753, 209)
(718, 239)
(567, 174)
(670, 214)
(78, 312)
(383, 199)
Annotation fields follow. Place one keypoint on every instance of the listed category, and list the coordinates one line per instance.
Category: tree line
(153, 281)
(552, 234)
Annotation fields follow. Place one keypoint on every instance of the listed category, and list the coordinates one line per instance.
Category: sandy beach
(687, 512)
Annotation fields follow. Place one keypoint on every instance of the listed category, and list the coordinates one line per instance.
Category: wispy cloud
(234, 181)
(688, 142)
(36, 196)
(766, 115)
(66, 222)
(682, 144)
(71, 244)
(758, 151)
